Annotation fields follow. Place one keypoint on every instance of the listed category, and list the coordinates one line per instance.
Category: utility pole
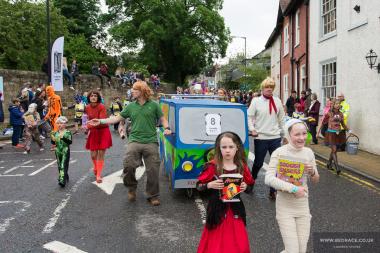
(48, 39)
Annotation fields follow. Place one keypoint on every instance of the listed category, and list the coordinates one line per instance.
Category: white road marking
(41, 169)
(16, 175)
(18, 166)
(201, 208)
(73, 161)
(109, 182)
(139, 172)
(251, 156)
(27, 166)
(79, 151)
(53, 220)
(4, 224)
(60, 247)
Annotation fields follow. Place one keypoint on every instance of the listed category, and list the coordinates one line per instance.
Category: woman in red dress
(225, 222)
(99, 137)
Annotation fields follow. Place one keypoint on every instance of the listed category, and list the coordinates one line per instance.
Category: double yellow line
(353, 179)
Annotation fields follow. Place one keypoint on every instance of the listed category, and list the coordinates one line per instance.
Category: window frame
(298, 28)
(328, 79)
(286, 40)
(330, 15)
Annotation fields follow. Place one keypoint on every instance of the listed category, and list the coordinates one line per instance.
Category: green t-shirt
(144, 119)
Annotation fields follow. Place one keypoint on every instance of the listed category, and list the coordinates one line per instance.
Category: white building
(274, 44)
(342, 32)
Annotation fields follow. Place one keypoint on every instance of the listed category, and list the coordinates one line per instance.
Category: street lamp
(371, 58)
(245, 58)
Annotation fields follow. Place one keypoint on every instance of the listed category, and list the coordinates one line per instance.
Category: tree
(256, 73)
(176, 37)
(82, 16)
(23, 33)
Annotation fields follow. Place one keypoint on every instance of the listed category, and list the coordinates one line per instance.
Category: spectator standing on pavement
(303, 100)
(307, 101)
(17, 122)
(267, 113)
(225, 229)
(67, 74)
(142, 141)
(74, 70)
(292, 203)
(292, 100)
(103, 69)
(32, 119)
(314, 115)
(99, 138)
(63, 140)
(334, 136)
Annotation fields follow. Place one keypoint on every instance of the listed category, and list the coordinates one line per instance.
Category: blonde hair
(268, 83)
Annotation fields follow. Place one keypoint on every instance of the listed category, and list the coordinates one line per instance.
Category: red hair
(143, 87)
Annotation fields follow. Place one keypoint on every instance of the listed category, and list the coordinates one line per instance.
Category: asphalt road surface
(36, 215)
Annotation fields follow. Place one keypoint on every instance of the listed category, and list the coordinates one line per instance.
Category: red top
(210, 171)
(96, 112)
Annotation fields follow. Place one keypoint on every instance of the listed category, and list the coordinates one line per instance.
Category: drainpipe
(292, 50)
(307, 43)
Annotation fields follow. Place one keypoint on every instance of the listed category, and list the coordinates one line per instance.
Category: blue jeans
(69, 76)
(16, 134)
(261, 149)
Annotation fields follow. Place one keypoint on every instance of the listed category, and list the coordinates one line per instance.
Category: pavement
(363, 163)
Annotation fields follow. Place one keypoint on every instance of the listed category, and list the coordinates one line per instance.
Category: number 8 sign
(213, 124)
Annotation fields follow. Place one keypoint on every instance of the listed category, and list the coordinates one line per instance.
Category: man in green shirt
(142, 142)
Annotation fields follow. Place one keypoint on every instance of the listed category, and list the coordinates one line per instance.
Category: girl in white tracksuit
(292, 203)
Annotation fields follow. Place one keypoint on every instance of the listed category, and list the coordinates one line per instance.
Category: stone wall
(15, 79)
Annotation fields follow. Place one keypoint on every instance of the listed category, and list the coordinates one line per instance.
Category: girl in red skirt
(334, 136)
(225, 222)
(99, 137)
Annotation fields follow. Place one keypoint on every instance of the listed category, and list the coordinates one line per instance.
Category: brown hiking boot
(154, 201)
(131, 196)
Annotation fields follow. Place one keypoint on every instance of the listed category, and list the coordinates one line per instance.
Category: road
(36, 215)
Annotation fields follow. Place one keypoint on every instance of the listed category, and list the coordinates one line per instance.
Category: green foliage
(82, 16)
(255, 75)
(23, 33)
(176, 37)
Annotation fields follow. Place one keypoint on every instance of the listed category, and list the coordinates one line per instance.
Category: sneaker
(154, 201)
(131, 196)
(52, 148)
(72, 87)
(19, 146)
(42, 149)
(26, 152)
(42, 137)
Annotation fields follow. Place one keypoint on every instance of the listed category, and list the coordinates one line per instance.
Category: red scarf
(271, 104)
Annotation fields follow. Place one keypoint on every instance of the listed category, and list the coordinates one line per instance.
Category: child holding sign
(289, 168)
(225, 222)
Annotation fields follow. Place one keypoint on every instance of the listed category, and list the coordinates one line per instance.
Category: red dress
(99, 137)
(230, 234)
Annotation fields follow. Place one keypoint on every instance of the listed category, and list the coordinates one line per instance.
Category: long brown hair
(239, 159)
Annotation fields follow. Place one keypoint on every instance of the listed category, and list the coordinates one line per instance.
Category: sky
(254, 19)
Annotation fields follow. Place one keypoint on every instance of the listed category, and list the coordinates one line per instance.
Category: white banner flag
(56, 64)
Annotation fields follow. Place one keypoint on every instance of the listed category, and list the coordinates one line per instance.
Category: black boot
(337, 167)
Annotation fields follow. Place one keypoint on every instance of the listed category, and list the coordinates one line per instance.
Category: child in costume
(32, 118)
(225, 230)
(62, 139)
(288, 163)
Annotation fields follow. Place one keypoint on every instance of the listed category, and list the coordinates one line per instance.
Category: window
(286, 87)
(286, 40)
(297, 29)
(303, 77)
(328, 16)
(328, 81)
